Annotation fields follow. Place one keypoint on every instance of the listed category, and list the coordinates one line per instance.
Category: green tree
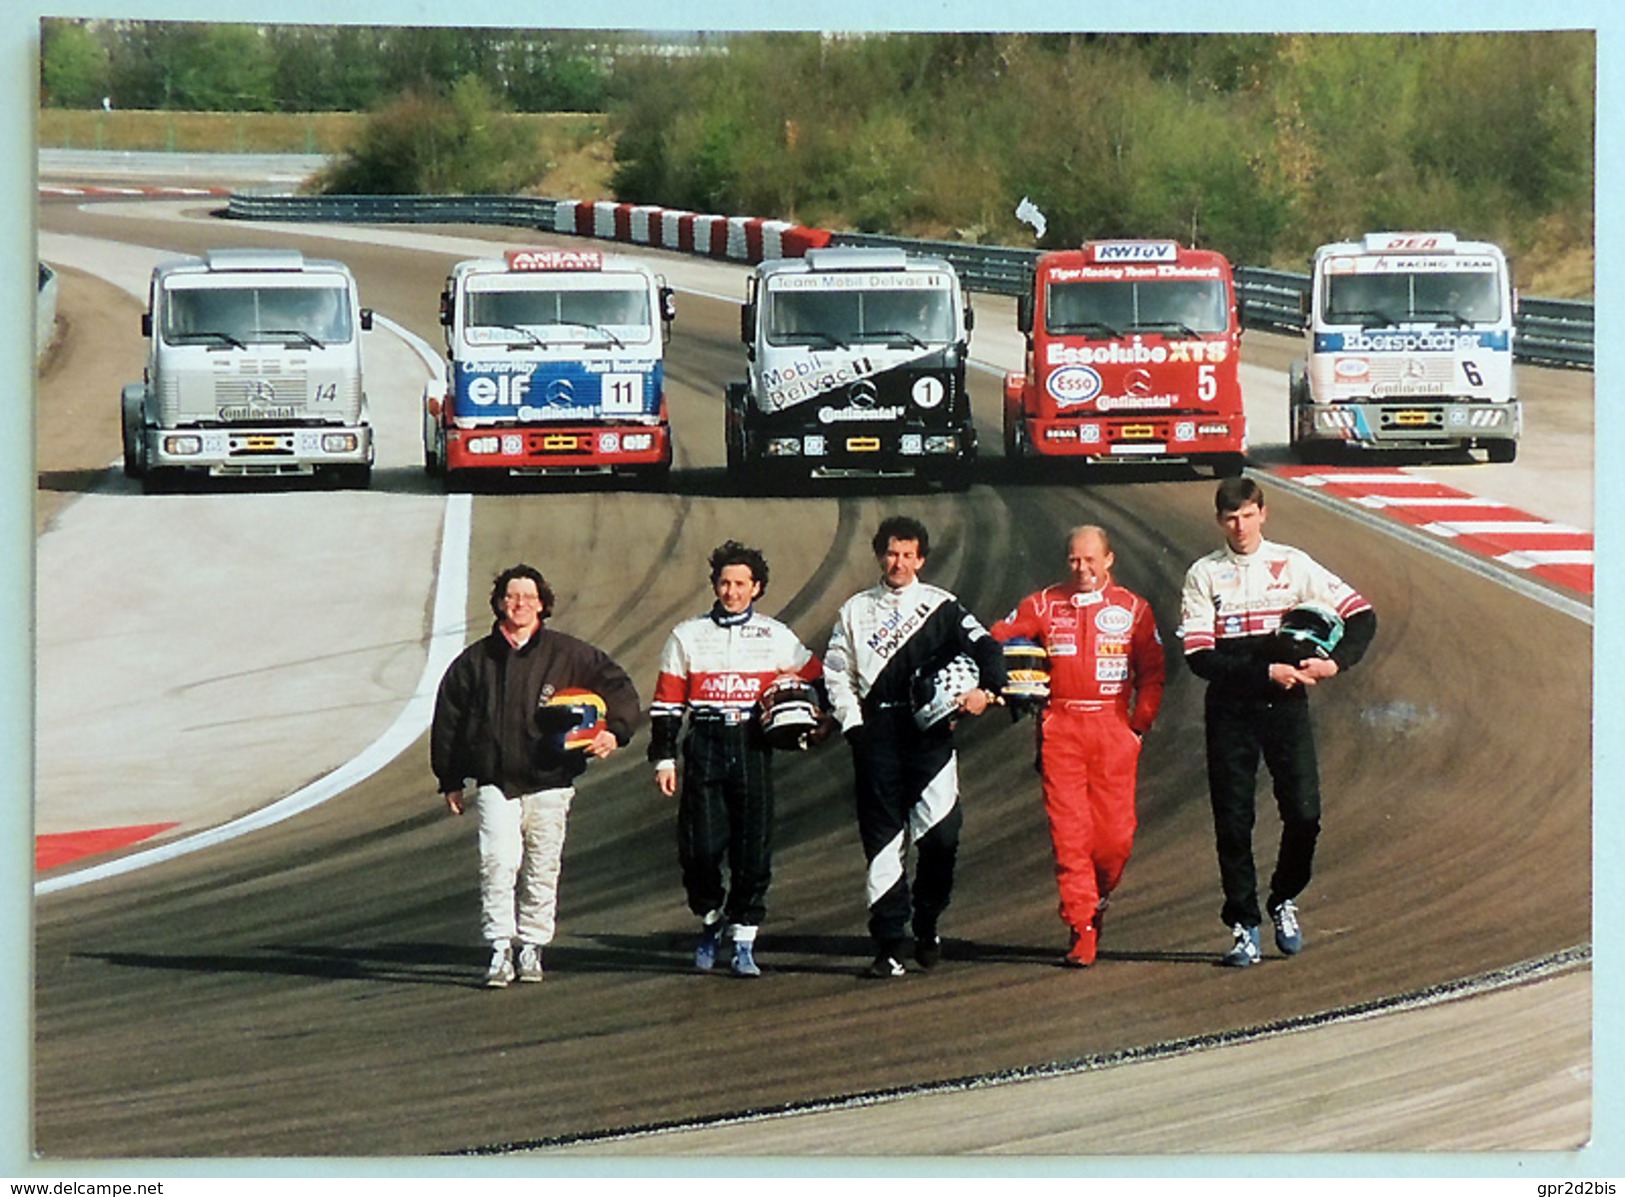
(74, 65)
(463, 143)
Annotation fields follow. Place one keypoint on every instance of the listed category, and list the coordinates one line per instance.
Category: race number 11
(622, 394)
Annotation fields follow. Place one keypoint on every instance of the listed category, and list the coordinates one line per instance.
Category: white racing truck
(1409, 340)
(253, 370)
(554, 366)
(856, 367)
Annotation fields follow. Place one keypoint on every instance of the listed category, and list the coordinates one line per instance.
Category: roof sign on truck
(554, 259)
(1133, 251)
(1409, 243)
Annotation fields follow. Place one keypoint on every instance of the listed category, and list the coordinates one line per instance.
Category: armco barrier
(1549, 331)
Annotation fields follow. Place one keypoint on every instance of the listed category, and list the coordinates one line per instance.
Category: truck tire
(1501, 452)
(133, 418)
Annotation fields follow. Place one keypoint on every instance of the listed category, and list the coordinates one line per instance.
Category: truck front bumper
(1161, 435)
(1409, 425)
(867, 452)
(576, 449)
(241, 453)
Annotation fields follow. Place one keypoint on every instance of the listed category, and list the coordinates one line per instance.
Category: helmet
(936, 692)
(1308, 630)
(789, 712)
(1026, 665)
(574, 717)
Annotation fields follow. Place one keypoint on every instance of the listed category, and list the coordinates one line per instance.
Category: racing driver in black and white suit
(907, 777)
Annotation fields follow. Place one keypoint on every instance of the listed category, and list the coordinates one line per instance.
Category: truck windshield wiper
(290, 332)
(1364, 317)
(1177, 325)
(213, 334)
(597, 328)
(1083, 326)
(893, 334)
(1441, 316)
(530, 337)
(804, 336)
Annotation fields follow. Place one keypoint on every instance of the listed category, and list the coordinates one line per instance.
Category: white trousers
(521, 846)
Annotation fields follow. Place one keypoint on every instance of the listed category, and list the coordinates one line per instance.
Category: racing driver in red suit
(1106, 677)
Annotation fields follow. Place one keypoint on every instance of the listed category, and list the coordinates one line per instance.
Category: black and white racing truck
(253, 370)
(856, 368)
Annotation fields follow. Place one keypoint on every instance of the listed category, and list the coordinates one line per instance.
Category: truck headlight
(340, 442)
(941, 444)
(638, 442)
(783, 446)
(183, 446)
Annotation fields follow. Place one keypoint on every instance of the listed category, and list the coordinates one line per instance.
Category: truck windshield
(1112, 308)
(913, 316)
(246, 315)
(621, 314)
(1376, 300)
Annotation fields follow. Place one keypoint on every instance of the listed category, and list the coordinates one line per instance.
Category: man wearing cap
(501, 716)
(1257, 704)
(1106, 679)
(716, 668)
(887, 642)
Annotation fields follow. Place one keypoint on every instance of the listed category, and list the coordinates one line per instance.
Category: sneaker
(705, 952)
(744, 964)
(500, 971)
(530, 963)
(1100, 915)
(1244, 950)
(884, 967)
(1288, 934)
(1081, 952)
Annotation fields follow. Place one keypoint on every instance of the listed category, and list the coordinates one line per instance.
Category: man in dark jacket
(521, 712)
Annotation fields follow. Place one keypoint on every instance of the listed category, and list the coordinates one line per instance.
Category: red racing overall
(1106, 679)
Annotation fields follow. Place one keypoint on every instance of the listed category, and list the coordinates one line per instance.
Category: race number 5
(1207, 384)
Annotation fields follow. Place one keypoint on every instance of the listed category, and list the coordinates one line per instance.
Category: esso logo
(1115, 621)
(1351, 368)
(928, 392)
(1072, 385)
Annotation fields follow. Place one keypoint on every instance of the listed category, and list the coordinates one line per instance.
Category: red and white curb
(1557, 553)
(58, 191)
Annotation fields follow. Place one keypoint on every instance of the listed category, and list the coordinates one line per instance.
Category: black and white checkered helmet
(936, 693)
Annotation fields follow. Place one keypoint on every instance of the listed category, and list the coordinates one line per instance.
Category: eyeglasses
(513, 600)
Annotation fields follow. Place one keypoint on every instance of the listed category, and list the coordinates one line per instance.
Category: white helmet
(789, 712)
(936, 693)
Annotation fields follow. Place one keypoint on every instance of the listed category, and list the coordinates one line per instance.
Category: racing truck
(253, 370)
(856, 367)
(1409, 343)
(554, 366)
(1132, 354)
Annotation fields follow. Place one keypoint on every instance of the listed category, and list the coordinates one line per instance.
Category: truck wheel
(1502, 452)
(955, 477)
(434, 454)
(1229, 465)
(134, 428)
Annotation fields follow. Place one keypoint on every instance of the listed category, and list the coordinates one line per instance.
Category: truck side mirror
(970, 317)
(668, 304)
(1303, 306)
(1024, 312)
(445, 309)
(146, 324)
(366, 319)
(747, 322)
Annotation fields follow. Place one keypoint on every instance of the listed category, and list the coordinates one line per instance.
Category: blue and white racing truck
(554, 366)
(1409, 339)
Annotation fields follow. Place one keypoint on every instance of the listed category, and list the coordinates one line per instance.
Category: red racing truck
(1132, 354)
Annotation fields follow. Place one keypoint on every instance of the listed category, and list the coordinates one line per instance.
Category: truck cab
(253, 370)
(1408, 340)
(554, 365)
(856, 364)
(1132, 355)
